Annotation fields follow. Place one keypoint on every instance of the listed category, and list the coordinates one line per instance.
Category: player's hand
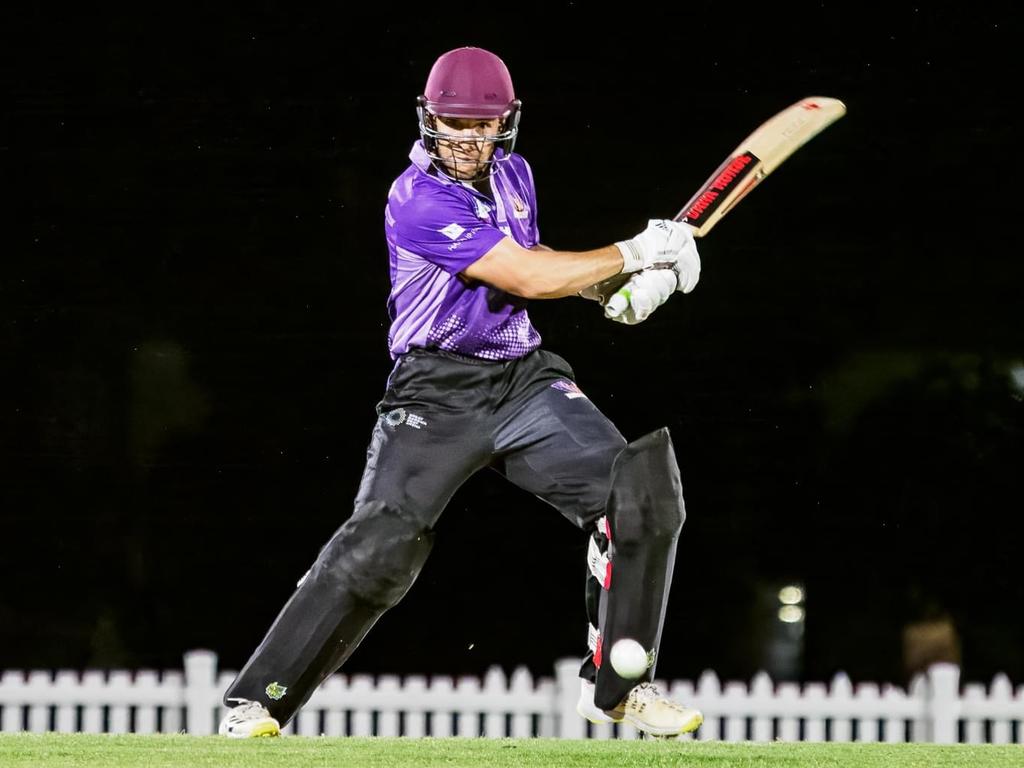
(641, 295)
(664, 243)
(660, 243)
(687, 264)
(654, 244)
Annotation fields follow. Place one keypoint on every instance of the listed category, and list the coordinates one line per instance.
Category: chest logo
(519, 209)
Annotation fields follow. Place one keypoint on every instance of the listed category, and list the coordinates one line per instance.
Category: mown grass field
(177, 751)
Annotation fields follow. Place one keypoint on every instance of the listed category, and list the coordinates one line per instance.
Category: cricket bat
(757, 155)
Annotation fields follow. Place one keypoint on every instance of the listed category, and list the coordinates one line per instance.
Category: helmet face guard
(471, 84)
(502, 142)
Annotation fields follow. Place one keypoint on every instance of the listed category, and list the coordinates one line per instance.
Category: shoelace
(246, 707)
(647, 693)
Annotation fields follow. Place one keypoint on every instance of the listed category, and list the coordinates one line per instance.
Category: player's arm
(601, 291)
(542, 273)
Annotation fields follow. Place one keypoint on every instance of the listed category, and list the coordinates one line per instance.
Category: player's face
(465, 157)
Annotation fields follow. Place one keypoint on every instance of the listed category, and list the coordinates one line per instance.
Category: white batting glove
(653, 245)
(687, 264)
(641, 295)
(664, 243)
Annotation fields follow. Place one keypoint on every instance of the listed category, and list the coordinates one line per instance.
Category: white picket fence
(934, 709)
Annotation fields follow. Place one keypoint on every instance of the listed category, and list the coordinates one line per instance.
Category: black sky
(193, 337)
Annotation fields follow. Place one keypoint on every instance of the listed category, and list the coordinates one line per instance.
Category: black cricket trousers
(443, 417)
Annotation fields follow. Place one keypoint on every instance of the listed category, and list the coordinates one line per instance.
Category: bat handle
(618, 303)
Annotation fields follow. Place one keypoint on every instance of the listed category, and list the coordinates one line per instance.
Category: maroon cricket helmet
(469, 82)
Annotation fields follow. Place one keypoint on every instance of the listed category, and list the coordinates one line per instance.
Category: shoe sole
(597, 719)
(263, 731)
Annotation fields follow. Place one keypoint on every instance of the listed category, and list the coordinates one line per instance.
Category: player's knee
(591, 500)
(648, 525)
(377, 553)
(667, 515)
(646, 498)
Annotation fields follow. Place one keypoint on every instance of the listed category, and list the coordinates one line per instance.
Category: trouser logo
(569, 388)
(276, 691)
(401, 416)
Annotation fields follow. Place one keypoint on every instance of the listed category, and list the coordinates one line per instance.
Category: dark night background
(193, 288)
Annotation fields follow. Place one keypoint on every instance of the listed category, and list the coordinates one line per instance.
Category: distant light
(1017, 376)
(791, 614)
(791, 595)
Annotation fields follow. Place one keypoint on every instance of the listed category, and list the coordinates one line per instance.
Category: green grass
(79, 751)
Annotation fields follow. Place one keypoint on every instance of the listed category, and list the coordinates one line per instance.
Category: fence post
(943, 703)
(201, 694)
(568, 723)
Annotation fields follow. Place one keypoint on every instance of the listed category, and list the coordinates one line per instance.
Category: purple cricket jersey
(436, 228)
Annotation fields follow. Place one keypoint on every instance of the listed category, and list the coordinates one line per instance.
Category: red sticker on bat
(728, 175)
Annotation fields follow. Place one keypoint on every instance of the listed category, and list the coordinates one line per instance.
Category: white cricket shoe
(588, 710)
(645, 707)
(247, 720)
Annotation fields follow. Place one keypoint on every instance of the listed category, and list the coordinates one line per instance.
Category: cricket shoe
(248, 719)
(645, 707)
(588, 710)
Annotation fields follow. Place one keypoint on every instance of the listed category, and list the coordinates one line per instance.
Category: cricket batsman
(471, 388)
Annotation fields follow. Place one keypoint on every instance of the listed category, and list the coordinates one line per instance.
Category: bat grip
(618, 303)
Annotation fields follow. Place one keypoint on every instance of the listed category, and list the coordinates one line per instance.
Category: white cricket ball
(628, 658)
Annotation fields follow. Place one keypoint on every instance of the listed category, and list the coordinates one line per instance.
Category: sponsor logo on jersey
(453, 231)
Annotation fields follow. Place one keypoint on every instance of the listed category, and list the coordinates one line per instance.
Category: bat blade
(758, 155)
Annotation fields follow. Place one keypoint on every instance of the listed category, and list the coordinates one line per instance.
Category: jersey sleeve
(532, 193)
(444, 230)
